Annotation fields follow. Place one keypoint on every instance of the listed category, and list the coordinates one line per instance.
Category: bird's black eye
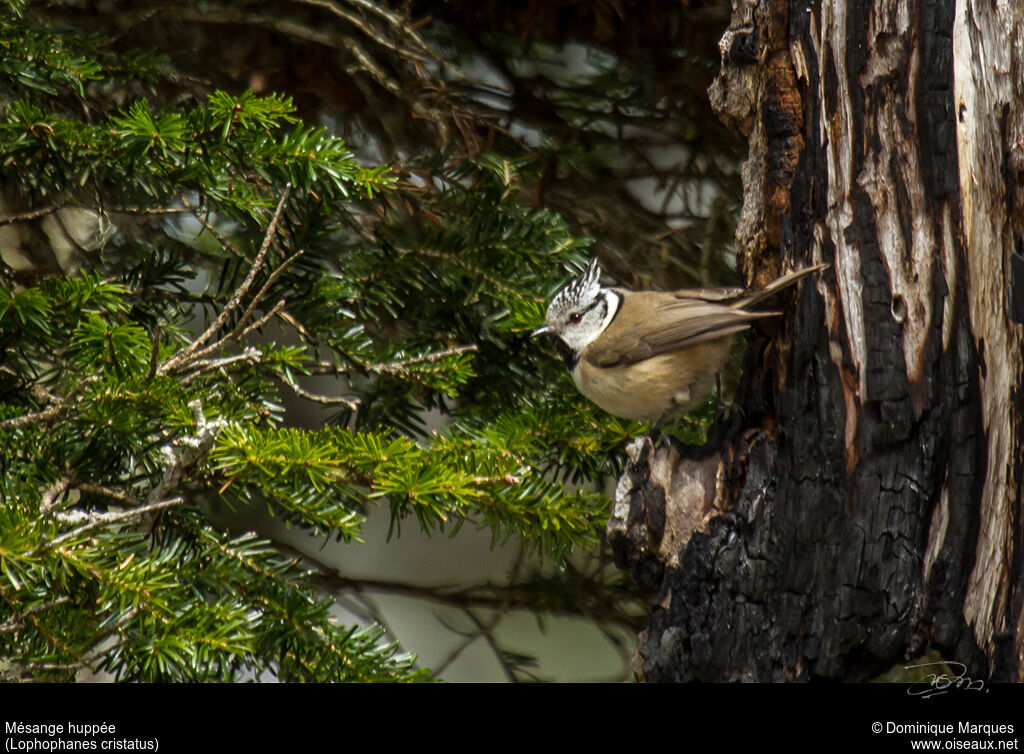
(575, 318)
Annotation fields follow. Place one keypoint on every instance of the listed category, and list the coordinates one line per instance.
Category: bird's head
(580, 311)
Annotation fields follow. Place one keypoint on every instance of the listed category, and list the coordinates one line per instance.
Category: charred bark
(871, 511)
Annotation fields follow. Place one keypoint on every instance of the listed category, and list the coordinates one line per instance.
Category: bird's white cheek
(580, 337)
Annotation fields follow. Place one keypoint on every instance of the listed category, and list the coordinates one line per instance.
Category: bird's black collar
(569, 356)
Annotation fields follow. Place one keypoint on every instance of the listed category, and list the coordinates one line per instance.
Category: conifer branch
(198, 604)
(401, 366)
(18, 621)
(395, 367)
(61, 406)
(502, 597)
(37, 417)
(194, 450)
(476, 270)
(154, 356)
(38, 392)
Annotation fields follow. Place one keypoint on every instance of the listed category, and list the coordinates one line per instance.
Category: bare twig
(371, 66)
(289, 320)
(149, 210)
(394, 19)
(35, 418)
(324, 399)
(486, 630)
(98, 640)
(263, 291)
(96, 520)
(50, 496)
(30, 215)
(96, 489)
(452, 656)
(250, 355)
(203, 353)
(396, 367)
(236, 298)
(263, 320)
(195, 449)
(370, 31)
(292, 28)
(221, 238)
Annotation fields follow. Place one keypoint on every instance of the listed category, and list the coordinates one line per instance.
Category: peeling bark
(876, 514)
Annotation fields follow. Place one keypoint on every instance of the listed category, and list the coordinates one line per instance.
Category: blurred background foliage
(600, 105)
(212, 210)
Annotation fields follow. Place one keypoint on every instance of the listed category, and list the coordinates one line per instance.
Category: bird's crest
(585, 287)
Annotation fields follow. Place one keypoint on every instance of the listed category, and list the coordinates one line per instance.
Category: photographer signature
(940, 682)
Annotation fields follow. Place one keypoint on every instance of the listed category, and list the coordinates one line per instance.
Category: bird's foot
(658, 438)
(725, 411)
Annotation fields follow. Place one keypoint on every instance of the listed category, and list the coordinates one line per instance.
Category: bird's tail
(755, 297)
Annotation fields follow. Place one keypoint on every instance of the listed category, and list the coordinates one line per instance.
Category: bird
(650, 356)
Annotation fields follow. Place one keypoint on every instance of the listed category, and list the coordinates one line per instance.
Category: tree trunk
(874, 514)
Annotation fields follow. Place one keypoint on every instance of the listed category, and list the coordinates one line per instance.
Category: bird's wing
(684, 318)
(674, 322)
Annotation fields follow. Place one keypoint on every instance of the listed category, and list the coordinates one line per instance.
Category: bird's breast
(670, 383)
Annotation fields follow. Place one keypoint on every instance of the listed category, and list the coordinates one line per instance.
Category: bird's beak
(540, 331)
